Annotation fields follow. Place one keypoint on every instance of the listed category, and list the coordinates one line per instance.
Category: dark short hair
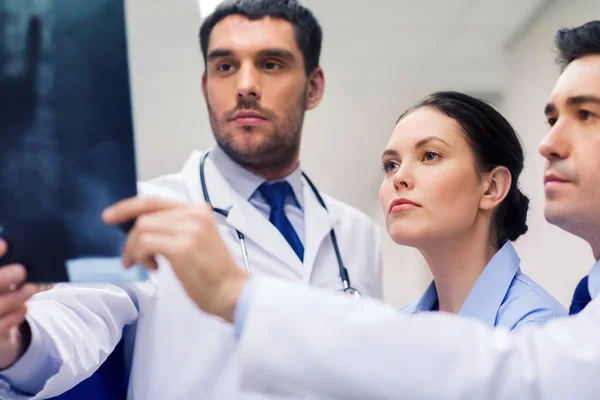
(309, 35)
(494, 143)
(574, 43)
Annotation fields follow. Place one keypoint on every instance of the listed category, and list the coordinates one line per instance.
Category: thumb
(3, 248)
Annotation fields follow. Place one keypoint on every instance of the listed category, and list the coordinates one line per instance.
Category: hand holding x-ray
(13, 295)
(186, 234)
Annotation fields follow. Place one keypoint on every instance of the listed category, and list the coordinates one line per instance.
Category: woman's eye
(389, 166)
(430, 156)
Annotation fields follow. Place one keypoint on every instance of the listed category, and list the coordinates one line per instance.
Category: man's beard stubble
(280, 149)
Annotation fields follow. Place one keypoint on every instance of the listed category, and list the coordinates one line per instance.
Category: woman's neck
(456, 264)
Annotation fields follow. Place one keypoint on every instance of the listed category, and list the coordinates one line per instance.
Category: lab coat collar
(594, 280)
(489, 290)
(244, 217)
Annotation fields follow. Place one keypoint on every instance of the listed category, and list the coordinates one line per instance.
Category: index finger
(3, 247)
(130, 208)
(11, 276)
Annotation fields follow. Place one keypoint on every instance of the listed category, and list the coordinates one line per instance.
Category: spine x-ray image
(66, 133)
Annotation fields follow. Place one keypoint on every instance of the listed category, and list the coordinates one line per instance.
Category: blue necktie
(581, 297)
(275, 194)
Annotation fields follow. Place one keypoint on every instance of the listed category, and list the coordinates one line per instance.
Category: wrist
(18, 342)
(229, 294)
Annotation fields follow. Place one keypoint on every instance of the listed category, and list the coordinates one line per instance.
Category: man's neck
(596, 250)
(268, 172)
(272, 174)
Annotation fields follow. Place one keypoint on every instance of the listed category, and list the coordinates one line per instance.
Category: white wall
(166, 68)
(554, 258)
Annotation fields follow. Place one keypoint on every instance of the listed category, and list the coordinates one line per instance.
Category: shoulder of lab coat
(299, 339)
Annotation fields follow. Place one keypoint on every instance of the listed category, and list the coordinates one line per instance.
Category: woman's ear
(497, 184)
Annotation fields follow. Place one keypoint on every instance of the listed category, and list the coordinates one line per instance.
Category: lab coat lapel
(318, 224)
(243, 216)
(221, 194)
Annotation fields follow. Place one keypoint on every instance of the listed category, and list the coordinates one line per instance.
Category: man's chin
(568, 220)
(555, 216)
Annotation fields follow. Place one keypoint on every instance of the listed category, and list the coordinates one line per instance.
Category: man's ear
(316, 88)
(204, 92)
(497, 184)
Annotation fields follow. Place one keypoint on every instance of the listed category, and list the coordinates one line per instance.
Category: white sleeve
(80, 326)
(299, 339)
(29, 374)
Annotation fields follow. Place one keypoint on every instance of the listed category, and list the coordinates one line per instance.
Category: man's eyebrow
(573, 101)
(549, 109)
(578, 100)
(279, 53)
(216, 53)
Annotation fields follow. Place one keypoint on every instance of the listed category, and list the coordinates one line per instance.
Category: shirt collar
(594, 280)
(489, 290)
(245, 182)
(427, 300)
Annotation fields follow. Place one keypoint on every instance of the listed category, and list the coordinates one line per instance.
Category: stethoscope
(344, 276)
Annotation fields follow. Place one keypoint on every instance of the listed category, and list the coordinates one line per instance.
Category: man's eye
(224, 67)
(585, 115)
(271, 65)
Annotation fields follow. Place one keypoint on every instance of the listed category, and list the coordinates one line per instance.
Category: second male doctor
(262, 74)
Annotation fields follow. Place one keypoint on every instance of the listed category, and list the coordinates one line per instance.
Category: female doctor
(450, 190)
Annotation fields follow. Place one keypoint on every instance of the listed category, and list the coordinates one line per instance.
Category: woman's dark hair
(494, 143)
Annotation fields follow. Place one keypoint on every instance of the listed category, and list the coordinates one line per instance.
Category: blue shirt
(501, 296)
(245, 183)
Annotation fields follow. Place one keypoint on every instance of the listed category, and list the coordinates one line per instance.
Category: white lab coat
(297, 339)
(181, 352)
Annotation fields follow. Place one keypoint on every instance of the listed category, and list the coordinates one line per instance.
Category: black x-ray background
(66, 131)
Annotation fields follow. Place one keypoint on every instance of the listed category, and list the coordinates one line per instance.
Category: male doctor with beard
(262, 74)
